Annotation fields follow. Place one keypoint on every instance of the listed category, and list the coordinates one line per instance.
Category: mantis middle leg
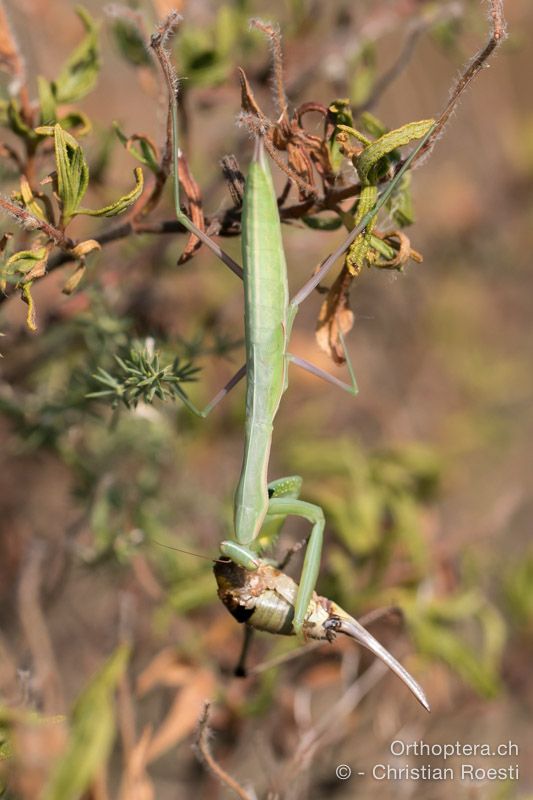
(204, 412)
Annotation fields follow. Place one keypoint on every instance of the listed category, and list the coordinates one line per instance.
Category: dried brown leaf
(165, 7)
(9, 55)
(335, 314)
(4, 240)
(84, 248)
(400, 242)
(234, 179)
(73, 281)
(194, 198)
(136, 784)
(183, 716)
(164, 670)
(248, 102)
(39, 269)
(299, 161)
(37, 744)
(321, 675)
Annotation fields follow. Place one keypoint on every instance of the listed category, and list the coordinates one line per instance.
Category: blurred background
(424, 477)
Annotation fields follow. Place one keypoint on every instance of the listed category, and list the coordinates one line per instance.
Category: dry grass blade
(35, 629)
(136, 784)
(164, 670)
(37, 745)
(183, 714)
(204, 752)
(194, 686)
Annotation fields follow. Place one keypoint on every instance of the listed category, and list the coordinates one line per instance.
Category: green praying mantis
(260, 507)
(250, 586)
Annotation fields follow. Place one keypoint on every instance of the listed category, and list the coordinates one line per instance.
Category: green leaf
(445, 627)
(50, 130)
(405, 513)
(364, 77)
(76, 120)
(147, 154)
(383, 248)
(446, 34)
(29, 201)
(517, 583)
(203, 61)
(79, 75)
(375, 151)
(47, 101)
(17, 124)
(190, 592)
(372, 125)
(358, 520)
(4, 117)
(443, 642)
(72, 120)
(226, 30)
(355, 133)
(25, 260)
(340, 113)
(360, 251)
(400, 204)
(31, 320)
(130, 43)
(323, 223)
(23, 268)
(371, 165)
(122, 203)
(72, 170)
(92, 733)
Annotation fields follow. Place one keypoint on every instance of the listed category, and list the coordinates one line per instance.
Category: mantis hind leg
(351, 387)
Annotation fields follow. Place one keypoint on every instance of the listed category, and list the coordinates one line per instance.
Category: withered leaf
(194, 198)
(10, 60)
(136, 784)
(401, 246)
(165, 669)
(335, 314)
(183, 715)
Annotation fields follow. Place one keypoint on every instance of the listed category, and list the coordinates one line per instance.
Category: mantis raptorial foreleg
(281, 506)
(312, 513)
(282, 488)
